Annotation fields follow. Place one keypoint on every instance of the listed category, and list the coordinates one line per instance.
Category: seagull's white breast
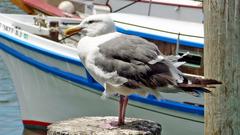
(88, 51)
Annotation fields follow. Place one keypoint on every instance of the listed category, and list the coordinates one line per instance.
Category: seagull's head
(94, 25)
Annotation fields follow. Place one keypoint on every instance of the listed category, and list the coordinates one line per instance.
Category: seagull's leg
(120, 114)
(122, 109)
(125, 102)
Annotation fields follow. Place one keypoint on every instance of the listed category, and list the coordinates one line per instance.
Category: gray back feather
(130, 48)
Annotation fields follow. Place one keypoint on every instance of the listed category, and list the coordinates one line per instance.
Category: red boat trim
(169, 4)
(36, 123)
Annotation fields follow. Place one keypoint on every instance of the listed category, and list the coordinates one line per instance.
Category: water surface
(10, 119)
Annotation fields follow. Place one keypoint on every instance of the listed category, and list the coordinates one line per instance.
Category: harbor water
(10, 119)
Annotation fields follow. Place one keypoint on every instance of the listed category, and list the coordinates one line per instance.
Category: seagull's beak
(73, 30)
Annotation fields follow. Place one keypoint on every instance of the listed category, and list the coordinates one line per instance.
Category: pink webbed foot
(110, 125)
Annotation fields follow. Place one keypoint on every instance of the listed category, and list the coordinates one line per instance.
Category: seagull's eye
(91, 21)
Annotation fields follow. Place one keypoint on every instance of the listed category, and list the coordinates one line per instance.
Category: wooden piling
(102, 126)
(222, 62)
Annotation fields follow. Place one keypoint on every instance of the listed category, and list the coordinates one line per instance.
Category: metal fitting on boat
(54, 30)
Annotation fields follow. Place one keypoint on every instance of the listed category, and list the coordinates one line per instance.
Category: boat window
(192, 59)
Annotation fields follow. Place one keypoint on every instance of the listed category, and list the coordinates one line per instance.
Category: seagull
(128, 64)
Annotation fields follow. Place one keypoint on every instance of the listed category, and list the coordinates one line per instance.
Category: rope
(126, 6)
(159, 30)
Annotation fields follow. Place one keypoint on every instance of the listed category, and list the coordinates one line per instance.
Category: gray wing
(130, 56)
(130, 48)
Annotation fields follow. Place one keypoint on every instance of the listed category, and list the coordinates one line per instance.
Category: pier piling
(102, 126)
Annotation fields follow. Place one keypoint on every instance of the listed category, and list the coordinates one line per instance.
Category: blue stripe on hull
(83, 81)
(32, 47)
(160, 38)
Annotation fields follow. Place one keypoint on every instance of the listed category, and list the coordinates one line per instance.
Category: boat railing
(177, 44)
(149, 7)
(128, 5)
(172, 4)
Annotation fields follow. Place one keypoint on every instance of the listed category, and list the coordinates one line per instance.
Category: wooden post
(222, 62)
(101, 126)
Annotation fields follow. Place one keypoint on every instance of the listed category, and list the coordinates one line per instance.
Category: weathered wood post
(100, 126)
(222, 62)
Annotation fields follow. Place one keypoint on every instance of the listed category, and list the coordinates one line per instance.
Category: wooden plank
(23, 6)
(104, 126)
(222, 62)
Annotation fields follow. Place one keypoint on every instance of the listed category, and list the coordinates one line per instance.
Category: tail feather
(203, 81)
(197, 83)
(189, 84)
(193, 87)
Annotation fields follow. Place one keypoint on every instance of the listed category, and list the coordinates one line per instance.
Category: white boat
(52, 84)
(184, 10)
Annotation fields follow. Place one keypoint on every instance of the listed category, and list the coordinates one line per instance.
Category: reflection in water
(10, 121)
(33, 132)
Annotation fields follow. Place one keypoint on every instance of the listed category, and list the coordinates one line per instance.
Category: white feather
(158, 59)
(88, 51)
(178, 64)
